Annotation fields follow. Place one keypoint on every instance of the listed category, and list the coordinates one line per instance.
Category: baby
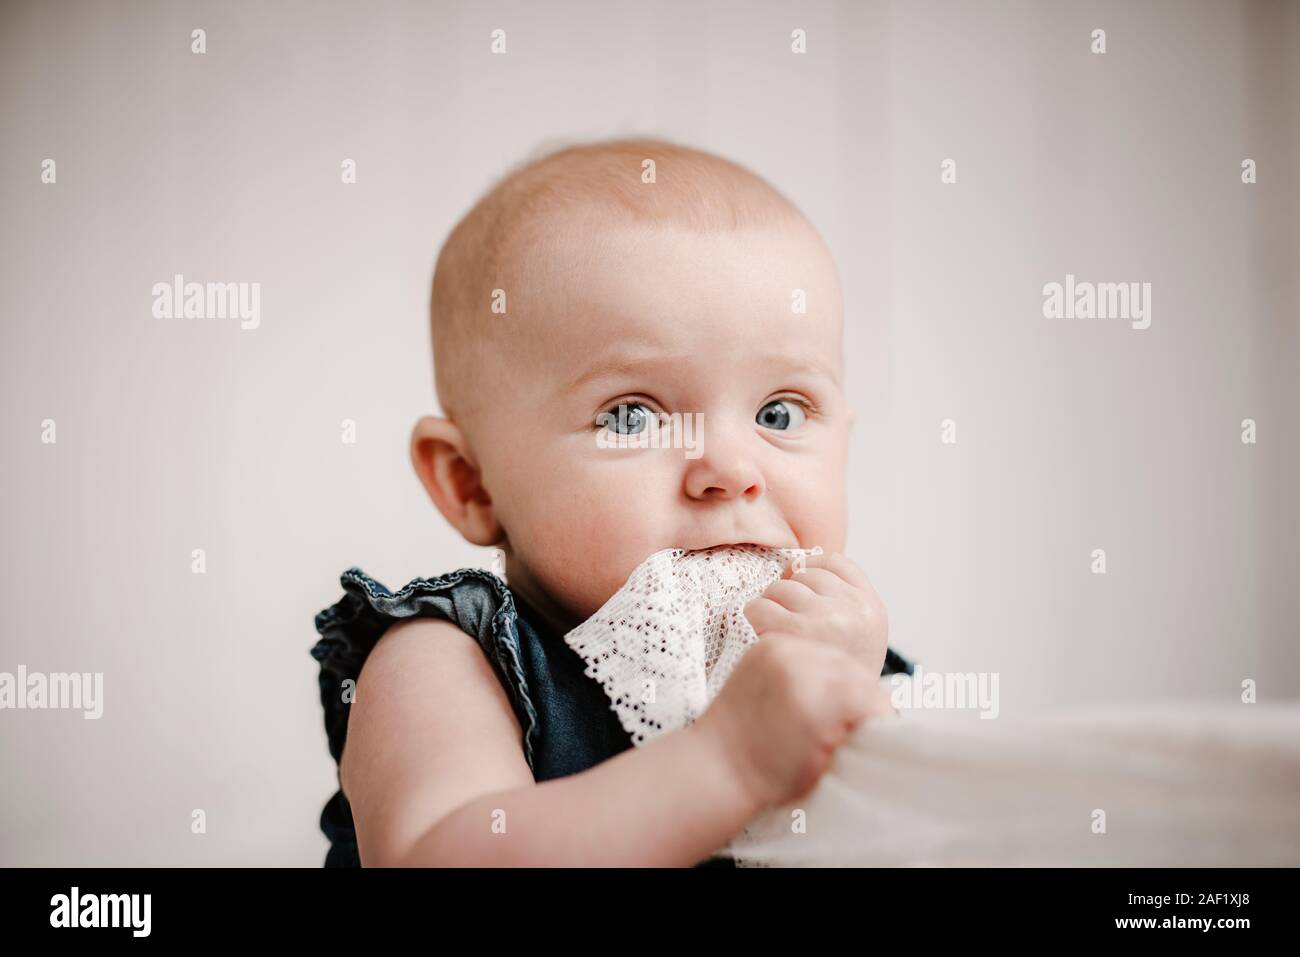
(596, 290)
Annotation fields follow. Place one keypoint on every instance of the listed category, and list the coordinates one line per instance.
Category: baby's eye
(781, 415)
(630, 418)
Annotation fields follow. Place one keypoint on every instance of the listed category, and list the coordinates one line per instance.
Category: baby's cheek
(832, 519)
(818, 513)
(582, 548)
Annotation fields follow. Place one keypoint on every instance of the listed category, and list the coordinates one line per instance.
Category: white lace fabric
(665, 643)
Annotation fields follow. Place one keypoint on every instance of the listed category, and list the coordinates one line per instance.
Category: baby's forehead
(573, 265)
(657, 300)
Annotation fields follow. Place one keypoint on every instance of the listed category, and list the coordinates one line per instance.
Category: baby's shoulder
(429, 611)
(428, 674)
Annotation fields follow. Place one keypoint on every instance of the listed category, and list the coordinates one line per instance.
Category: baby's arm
(435, 773)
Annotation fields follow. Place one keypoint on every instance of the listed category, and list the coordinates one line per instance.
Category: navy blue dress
(568, 724)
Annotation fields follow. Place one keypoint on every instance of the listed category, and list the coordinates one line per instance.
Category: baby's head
(591, 279)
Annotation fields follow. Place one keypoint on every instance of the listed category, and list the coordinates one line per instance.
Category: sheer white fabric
(1176, 784)
(1173, 784)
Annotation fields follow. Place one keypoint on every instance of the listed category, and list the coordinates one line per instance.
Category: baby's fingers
(833, 574)
(793, 595)
(766, 615)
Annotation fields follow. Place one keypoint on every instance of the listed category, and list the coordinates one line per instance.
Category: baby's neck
(527, 592)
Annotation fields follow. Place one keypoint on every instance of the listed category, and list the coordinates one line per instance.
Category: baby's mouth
(744, 546)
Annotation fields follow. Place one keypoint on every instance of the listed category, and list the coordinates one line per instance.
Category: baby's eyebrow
(610, 366)
(622, 365)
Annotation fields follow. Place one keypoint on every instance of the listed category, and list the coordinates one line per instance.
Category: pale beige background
(189, 434)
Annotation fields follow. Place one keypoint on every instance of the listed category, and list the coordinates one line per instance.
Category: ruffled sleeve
(473, 599)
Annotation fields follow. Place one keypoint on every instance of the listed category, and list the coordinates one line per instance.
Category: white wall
(174, 436)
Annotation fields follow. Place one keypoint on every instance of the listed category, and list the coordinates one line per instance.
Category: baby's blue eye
(781, 415)
(628, 420)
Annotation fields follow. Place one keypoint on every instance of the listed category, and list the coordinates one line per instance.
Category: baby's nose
(719, 474)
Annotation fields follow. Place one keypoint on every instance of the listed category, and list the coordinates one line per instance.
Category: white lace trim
(666, 642)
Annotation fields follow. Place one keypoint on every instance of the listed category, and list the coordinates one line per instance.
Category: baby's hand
(792, 701)
(785, 709)
(829, 599)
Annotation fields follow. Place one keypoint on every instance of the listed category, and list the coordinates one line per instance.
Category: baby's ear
(446, 468)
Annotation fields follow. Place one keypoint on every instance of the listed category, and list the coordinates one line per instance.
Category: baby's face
(674, 323)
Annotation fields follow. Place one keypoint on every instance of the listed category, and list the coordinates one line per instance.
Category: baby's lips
(746, 546)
